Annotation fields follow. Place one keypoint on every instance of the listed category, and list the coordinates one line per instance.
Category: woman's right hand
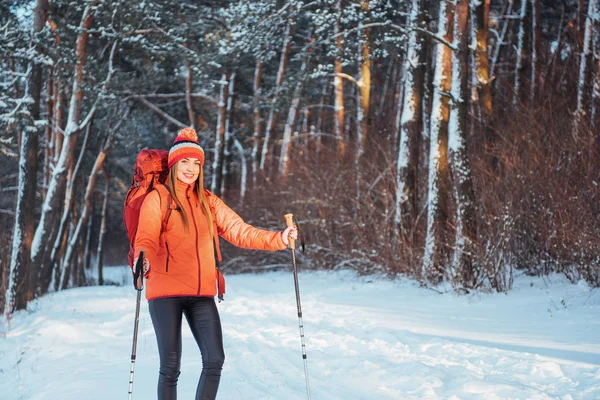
(146, 266)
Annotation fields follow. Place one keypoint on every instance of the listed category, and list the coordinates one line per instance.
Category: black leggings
(203, 318)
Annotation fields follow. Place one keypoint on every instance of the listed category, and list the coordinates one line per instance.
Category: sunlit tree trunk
(435, 252)
(364, 87)
(482, 64)
(338, 85)
(22, 278)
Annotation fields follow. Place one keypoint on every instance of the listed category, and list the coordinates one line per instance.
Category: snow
(366, 338)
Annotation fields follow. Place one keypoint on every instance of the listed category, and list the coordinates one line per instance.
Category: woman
(179, 264)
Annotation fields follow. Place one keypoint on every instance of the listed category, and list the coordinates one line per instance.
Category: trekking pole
(291, 221)
(138, 277)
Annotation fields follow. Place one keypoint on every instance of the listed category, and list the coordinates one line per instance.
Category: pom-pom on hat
(186, 146)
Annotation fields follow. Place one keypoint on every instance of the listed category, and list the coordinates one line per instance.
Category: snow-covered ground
(366, 338)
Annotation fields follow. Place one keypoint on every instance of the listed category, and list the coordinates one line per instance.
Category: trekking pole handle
(289, 221)
(138, 275)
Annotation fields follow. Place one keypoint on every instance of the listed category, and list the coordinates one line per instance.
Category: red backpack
(150, 173)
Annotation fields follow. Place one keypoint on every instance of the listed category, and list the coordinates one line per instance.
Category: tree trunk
(59, 112)
(85, 212)
(437, 216)
(220, 136)
(189, 89)
(285, 54)
(228, 134)
(284, 159)
(536, 39)
(463, 271)
(244, 170)
(482, 64)
(49, 129)
(22, 279)
(102, 234)
(522, 47)
(410, 126)
(88, 236)
(67, 207)
(258, 119)
(338, 85)
(57, 185)
(584, 84)
(364, 87)
(596, 91)
(500, 40)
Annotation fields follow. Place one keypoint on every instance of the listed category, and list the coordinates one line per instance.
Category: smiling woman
(180, 265)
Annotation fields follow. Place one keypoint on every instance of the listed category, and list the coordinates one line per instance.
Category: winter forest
(451, 141)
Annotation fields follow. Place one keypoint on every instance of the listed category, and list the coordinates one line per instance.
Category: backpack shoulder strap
(166, 204)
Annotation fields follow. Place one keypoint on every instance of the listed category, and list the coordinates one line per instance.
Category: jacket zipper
(197, 238)
(168, 255)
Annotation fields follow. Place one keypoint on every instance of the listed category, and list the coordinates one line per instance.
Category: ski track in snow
(366, 338)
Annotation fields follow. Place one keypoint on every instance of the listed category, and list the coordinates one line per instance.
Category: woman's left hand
(290, 232)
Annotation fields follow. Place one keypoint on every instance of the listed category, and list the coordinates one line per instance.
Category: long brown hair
(198, 189)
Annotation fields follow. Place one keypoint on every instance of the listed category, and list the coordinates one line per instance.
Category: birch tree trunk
(410, 125)
(284, 159)
(500, 41)
(258, 119)
(596, 91)
(462, 270)
(521, 50)
(49, 127)
(228, 134)
(434, 253)
(283, 61)
(584, 83)
(338, 85)
(56, 187)
(102, 234)
(189, 89)
(220, 137)
(536, 42)
(244, 170)
(59, 111)
(22, 279)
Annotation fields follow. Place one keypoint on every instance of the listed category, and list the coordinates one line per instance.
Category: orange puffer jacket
(182, 263)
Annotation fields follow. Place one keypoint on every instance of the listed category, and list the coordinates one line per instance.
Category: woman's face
(188, 170)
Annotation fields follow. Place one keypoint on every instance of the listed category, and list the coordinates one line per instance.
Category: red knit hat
(186, 146)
